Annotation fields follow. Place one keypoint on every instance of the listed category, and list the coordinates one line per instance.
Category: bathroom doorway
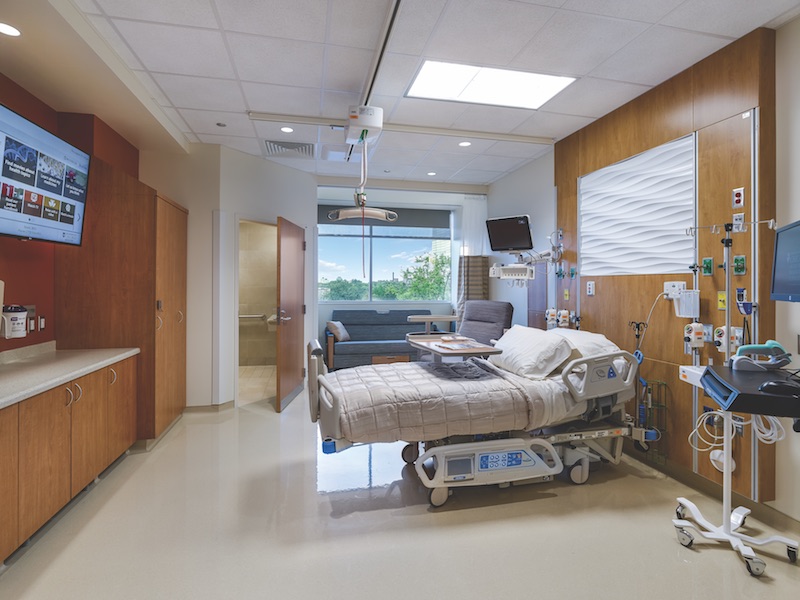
(258, 299)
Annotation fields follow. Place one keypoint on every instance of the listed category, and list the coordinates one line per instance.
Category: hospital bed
(551, 402)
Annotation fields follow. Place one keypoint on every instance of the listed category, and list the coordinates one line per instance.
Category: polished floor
(240, 504)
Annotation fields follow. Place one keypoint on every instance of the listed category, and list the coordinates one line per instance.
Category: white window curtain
(473, 263)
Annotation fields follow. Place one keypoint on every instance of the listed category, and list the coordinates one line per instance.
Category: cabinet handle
(80, 389)
(114, 373)
(180, 314)
(71, 397)
(160, 323)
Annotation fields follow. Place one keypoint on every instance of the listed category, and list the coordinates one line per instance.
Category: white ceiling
(168, 72)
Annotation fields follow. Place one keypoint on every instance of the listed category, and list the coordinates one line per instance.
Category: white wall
(528, 191)
(220, 186)
(787, 498)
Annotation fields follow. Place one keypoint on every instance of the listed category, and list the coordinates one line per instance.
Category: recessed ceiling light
(287, 129)
(9, 30)
(464, 144)
(431, 173)
(220, 124)
(482, 85)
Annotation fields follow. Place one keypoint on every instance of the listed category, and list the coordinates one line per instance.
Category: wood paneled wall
(712, 99)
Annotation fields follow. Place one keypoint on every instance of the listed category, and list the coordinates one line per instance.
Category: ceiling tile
(733, 18)
(552, 125)
(336, 105)
(490, 118)
(247, 145)
(88, 7)
(396, 139)
(289, 19)
(399, 156)
(205, 122)
(196, 13)
(156, 93)
(346, 69)
(271, 130)
(356, 23)
(107, 31)
(201, 93)
(477, 177)
(282, 100)
(485, 32)
(274, 60)
(590, 97)
(414, 24)
(395, 75)
(658, 56)
(425, 113)
(496, 163)
(574, 43)
(516, 149)
(648, 11)
(181, 50)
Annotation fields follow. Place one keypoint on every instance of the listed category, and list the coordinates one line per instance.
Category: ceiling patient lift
(687, 513)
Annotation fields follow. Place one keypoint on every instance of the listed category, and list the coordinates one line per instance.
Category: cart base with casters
(738, 541)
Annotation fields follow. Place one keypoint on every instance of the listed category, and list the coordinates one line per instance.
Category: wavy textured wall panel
(634, 214)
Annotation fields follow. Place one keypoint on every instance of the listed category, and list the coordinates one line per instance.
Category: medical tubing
(768, 430)
(647, 322)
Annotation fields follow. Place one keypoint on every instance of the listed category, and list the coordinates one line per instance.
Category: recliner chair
(485, 320)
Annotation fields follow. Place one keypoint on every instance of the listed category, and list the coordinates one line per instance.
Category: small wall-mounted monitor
(43, 182)
(786, 264)
(510, 234)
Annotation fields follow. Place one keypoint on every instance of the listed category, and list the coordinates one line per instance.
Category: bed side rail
(316, 367)
(596, 376)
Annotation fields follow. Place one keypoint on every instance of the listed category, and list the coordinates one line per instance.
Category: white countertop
(31, 375)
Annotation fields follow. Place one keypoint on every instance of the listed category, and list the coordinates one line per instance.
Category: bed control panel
(504, 460)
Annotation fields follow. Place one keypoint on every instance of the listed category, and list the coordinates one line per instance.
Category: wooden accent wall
(711, 98)
(93, 136)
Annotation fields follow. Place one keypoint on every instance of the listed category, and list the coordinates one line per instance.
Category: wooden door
(89, 429)
(44, 458)
(291, 311)
(9, 480)
(121, 407)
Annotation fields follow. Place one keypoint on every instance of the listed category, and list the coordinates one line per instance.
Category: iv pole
(731, 520)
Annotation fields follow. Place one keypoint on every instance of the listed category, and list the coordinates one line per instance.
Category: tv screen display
(510, 234)
(43, 183)
(786, 264)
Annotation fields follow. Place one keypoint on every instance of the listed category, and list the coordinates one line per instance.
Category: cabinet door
(44, 458)
(89, 429)
(171, 237)
(121, 407)
(9, 480)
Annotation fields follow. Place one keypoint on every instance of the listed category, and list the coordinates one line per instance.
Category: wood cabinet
(121, 407)
(44, 458)
(61, 440)
(130, 273)
(9, 480)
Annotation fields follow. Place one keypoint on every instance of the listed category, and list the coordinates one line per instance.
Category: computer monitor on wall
(786, 264)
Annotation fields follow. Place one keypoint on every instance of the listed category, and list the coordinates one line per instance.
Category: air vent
(289, 149)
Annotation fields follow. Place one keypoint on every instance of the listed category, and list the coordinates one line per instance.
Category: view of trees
(427, 279)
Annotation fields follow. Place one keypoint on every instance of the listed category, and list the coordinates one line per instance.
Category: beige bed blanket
(423, 401)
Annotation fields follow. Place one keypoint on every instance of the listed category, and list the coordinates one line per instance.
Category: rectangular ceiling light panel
(483, 85)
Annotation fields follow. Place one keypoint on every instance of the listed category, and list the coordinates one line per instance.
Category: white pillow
(338, 330)
(586, 342)
(530, 352)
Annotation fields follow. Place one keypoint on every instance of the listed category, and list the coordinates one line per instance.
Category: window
(406, 261)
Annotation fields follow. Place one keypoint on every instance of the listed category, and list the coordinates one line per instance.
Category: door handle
(80, 391)
(160, 323)
(114, 373)
(71, 397)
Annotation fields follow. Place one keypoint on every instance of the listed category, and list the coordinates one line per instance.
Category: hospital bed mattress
(424, 401)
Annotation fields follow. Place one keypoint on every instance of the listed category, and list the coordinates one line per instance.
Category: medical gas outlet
(693, 335)
(724, 341)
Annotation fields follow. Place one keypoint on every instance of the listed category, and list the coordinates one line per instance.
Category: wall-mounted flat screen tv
(510, 234)
(43, 183)
(786, 264)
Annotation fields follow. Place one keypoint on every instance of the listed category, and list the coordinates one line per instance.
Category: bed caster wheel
(680, 512)
(410, 453)
(755, 566)
(438, 496)
(579, 472)
(685, 538)
(792, 554)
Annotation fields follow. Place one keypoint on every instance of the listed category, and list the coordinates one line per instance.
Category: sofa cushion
(338, 330)
(373, 347)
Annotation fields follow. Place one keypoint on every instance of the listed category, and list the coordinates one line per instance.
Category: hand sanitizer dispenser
(14, 322)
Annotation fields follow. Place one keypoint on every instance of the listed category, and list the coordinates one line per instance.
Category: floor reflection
(368, 477)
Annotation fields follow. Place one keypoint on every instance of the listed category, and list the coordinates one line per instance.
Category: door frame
(235, 317)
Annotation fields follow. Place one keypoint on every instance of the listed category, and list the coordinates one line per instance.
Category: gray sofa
(374, 337)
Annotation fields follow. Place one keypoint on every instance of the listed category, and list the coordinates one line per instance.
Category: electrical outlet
(673, 288)
(590, 288)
